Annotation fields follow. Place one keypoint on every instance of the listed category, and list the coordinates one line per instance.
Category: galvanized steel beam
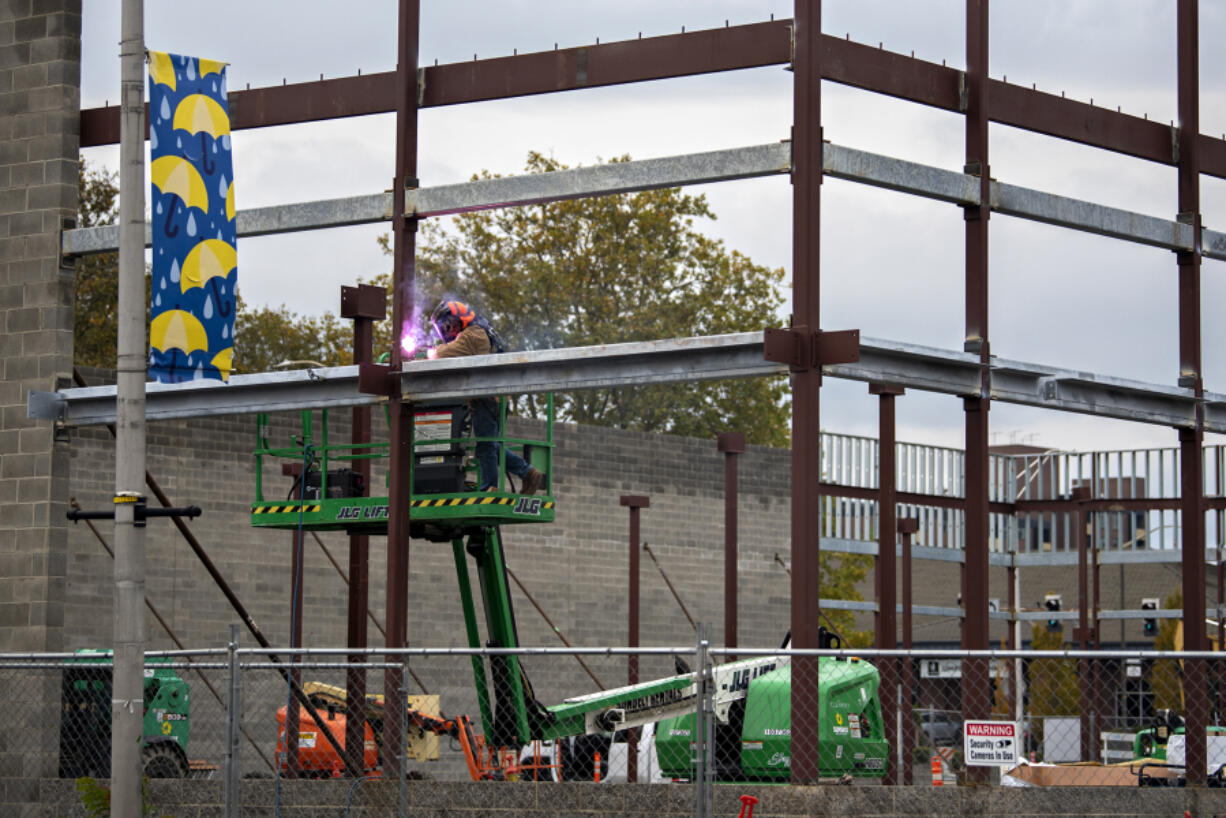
(675, 360)
(693, 169)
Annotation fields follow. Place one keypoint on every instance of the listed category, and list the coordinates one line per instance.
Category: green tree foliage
(1166, 675)
(97, 284)
(263, 336)
(1053, 686)
(841, 573)
(266, 336)
(628, 267)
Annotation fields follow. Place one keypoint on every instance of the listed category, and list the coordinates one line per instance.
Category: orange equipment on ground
(316, 758)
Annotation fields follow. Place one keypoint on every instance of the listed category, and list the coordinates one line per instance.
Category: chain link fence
(266, 735)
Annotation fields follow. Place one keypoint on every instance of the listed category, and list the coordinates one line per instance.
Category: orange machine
(316, 758)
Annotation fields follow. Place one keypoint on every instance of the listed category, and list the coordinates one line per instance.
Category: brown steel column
(634, 502)
(885, 577)
(400, 489)
(976, 695)
(1011, 636)
(292, 713)
(1191, 441)
(365, 304)
(731, 444)
(806, 383)
(1081, 530)
(906, 527)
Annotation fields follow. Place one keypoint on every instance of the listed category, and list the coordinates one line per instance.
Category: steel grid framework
(813, 57)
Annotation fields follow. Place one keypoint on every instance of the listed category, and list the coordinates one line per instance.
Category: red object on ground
(938, 773)
(747, 802)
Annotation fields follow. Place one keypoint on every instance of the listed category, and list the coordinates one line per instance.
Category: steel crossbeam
(675, 360)
(693, 169)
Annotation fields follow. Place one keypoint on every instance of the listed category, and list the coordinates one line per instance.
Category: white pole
(127, 699)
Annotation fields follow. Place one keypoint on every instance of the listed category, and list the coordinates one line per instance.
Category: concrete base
(432, 799)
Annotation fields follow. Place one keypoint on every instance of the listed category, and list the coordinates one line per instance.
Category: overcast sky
(892, 265)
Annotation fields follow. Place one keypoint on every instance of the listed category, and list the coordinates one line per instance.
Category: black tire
(163, 760)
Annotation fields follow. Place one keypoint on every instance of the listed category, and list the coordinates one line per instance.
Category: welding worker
(464, 332)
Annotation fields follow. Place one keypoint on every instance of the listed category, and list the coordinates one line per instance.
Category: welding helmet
(450, 318)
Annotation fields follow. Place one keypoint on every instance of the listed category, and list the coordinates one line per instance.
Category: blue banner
(195, 269)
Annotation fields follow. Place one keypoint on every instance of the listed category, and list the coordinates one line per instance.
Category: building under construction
(984, 548)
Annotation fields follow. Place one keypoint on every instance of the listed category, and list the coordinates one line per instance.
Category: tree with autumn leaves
(608, 270)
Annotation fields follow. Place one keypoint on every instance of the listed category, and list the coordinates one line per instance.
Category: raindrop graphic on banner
(164, 111)
(153, 137)
(174, 272)
(191, 224)
(191, 69)
(225, 333)
(208, 308)
(157, 300)
(222, 185)
(159, 210)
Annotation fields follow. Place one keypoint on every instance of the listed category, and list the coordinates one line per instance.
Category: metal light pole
(127, 699)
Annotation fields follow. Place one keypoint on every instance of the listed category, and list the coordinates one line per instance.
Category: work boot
(531, 481)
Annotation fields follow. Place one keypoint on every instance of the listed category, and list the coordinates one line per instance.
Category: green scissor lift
(325, 495)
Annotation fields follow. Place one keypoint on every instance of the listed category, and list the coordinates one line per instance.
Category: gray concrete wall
(429, 799)
(39, 126)
(39, 99)
(576, 568)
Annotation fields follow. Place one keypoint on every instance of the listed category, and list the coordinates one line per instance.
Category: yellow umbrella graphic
(162, 69)
(177, 329)
(211, 66)
(230, 202)
(224, 362)
(210, 259)
(176, 175)
(201, 114)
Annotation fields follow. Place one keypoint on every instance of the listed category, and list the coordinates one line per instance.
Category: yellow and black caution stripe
(284, 509)
(476, 500)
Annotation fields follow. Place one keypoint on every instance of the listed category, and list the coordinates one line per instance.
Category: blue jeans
(485, 424)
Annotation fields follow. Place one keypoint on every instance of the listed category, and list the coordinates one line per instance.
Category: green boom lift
(751, 696)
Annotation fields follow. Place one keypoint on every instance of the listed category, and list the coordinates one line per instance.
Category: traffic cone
(938, 772)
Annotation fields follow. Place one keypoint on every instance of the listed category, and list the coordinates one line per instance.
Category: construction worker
(464, 332)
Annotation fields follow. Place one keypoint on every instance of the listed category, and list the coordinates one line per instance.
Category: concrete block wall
(39, 101)
(576, 568)
(39, 126)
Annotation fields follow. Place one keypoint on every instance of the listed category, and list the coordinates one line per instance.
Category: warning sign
(990, 743)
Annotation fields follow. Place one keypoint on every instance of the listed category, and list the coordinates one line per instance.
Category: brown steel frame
(813, 57)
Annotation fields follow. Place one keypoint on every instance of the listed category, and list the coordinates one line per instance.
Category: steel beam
(694, 169)
(731, 48)
(675, 360)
